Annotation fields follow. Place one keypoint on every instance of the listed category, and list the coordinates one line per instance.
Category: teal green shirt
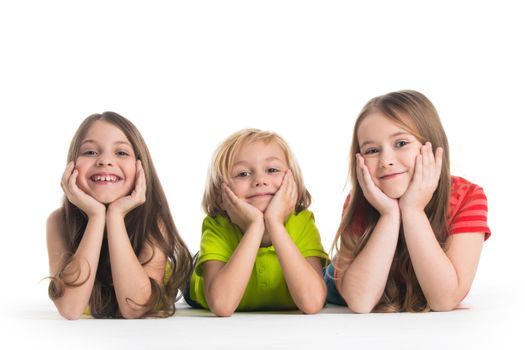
(266, 289)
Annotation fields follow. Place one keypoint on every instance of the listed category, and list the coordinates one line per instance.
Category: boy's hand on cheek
(425, 179)
(75, 195)
(126, 204)
(284, 201)
(240, 212)
(373, 194)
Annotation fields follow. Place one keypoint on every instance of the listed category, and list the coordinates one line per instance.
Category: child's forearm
(304, 281)
(363, 283)
(435, 272)
(131, 282)
(225, 287)
(75, 299)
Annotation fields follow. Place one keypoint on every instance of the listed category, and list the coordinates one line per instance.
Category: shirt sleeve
(306, 236)
(216, 242)
(471, 214)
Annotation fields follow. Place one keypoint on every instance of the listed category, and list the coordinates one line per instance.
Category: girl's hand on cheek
(126, 204)
(75, 195)
(425, 179)
(373, 194)
(284, 201)
(240, 212)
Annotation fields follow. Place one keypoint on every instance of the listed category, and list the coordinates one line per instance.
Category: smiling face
(257, 173)
(106, 163)
(389, 151)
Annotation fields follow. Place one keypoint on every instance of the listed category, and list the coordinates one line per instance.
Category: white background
(188, 74)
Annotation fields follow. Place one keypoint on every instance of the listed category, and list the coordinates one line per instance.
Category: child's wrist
(405, 209)
(256, 224)
(390, 211)
(113, 211)
(391, 215)
(97, 214)
(270, 221)
(407, 206)
(97, 217)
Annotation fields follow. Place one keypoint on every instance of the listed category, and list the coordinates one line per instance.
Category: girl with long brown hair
(411, 234)
(114, 250)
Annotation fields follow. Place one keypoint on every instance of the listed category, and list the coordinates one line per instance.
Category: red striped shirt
(467, 210)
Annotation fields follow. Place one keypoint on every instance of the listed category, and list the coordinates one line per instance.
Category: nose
(260, 180)
(104, 160)
(386, 159)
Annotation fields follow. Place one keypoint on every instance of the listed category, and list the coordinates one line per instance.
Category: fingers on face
(67, 174)
(426, 152)
(432, 161)
(141, 178)
(359, 169)
(227, 196)
(418, 171)
(363, 175)
(290, 182)
(439, 161)
(292, 186)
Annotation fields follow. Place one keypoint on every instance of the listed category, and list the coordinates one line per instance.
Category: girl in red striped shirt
(411, 234)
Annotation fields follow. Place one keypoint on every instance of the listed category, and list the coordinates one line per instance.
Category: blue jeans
(333, 296)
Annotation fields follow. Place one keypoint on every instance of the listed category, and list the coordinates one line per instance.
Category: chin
(394, 194)
(262, 208)
(106, 199)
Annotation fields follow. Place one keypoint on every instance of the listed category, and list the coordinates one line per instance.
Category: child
(260, 248)
(411, 234)
(113, 246)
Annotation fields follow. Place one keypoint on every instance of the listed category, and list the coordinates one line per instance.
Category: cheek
(130, 170)
(238, 188)
(278, 180)
(371, 165)
(410, 161)
(82, 166)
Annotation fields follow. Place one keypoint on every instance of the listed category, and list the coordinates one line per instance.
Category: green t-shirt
(266, 289)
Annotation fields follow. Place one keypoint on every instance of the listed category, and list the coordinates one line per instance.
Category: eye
(89, 153)
(242, 174)
(273, 170)
(122, 153)
(371, 150)
(401, 143)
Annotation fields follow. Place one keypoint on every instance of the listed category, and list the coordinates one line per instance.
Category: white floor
(489, 318)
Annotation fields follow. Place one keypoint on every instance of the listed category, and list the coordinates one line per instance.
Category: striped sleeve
(470, 210)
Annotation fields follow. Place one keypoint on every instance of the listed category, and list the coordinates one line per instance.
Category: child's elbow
(312, 308)
(131, 314)
(222, 311)
(364, 306)
(446, 301)
(313, 304)
(361, 308)
(443, 305)
(220, 307)
(70, 313)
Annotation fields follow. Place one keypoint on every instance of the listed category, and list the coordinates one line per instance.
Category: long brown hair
(413, 112)
(222, 164)
(149, 224)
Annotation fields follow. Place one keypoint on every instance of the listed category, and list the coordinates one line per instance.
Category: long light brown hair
(149, 224)
(222, 164)
(413, 112)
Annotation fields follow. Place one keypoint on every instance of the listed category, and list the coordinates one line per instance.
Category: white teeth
(106, 178)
